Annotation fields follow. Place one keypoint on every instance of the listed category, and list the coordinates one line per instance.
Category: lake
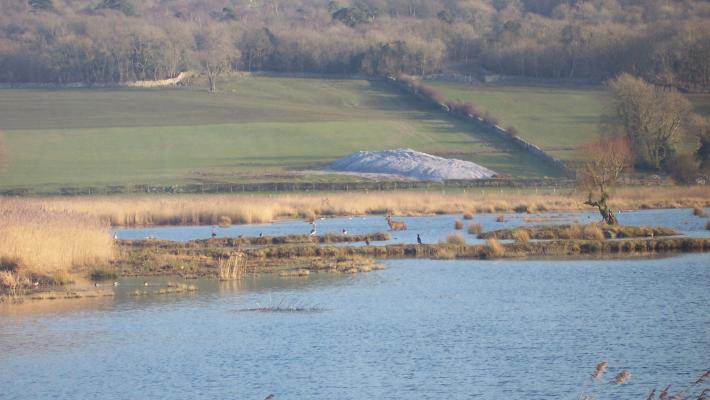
(420, 329)
(431, 228)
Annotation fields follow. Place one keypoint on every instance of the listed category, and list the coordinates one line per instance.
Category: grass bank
(247, 209)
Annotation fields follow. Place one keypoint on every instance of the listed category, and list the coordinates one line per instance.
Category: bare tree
(651, 118)
(215, 54)
(603, 161)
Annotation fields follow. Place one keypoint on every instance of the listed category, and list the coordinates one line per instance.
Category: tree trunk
(213, 83)
(604, 210)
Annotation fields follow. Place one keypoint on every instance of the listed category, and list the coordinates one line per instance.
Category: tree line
(664, 42)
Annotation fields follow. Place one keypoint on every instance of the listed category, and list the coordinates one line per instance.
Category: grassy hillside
(553, 117)
(556, 119)
(254, 129)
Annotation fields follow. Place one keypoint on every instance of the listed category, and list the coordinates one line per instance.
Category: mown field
(254, 129)
(555, 118)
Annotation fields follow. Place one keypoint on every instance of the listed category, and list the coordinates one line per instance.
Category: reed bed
(232, 267)
(262, 208)
(583, 232)
(51, 242)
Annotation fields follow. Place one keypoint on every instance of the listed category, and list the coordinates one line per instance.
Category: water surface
(419, 329)
(431, 229)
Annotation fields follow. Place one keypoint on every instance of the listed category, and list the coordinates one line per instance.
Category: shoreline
(289, 257)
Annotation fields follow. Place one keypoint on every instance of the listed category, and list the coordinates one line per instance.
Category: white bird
(313, 230)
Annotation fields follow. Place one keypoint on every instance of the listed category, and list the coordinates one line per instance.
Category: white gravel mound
(410, 164)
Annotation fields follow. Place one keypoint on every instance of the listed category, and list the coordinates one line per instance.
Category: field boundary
(76, 85)
(493, 129)
(291, 187)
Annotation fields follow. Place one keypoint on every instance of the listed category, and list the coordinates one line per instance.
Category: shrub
(522, 208)
(592, 232)
(475, 228)
(490, 119)
(455, 239)
(512, 130)
(102, 274)
(468, 215)
(494, 247)
(224, 221)
(699, 212)
(683, 168)
(521, 236)
(458, 225)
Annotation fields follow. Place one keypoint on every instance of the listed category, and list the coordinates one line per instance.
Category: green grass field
(254, 129)
(555, 118)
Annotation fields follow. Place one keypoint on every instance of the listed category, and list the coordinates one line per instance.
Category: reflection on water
(432, 229)
(419, 329)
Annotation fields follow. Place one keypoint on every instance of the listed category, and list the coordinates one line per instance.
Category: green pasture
(254, 129)
(556, 118)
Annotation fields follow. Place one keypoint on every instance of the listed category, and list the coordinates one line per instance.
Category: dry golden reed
(456, 239)
(458, 225)
(521, 236)
(262, 208)
(475, 228)
(232, 267)
(494, 247)
(50, 241)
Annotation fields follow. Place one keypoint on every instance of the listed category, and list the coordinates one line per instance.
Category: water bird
(270, 397)
(213, 233)
(115, 284)
(345, 232)
(419, 239)
(145, 283)
(261, 234)
(115, 236)
(313, 230)
(367, 241)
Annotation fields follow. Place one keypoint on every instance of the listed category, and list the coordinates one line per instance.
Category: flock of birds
(393, 225)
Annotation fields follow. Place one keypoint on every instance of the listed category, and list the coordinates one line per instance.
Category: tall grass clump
(475, 228)
(468, 215)
(494, 247)
(232, 267)
(458, 225)
(456, 240)
(521, 236)
(592, 232)
(52, 242)
(700, 212)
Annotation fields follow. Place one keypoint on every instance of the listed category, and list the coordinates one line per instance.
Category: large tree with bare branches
(651, 117)
(603, 161)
